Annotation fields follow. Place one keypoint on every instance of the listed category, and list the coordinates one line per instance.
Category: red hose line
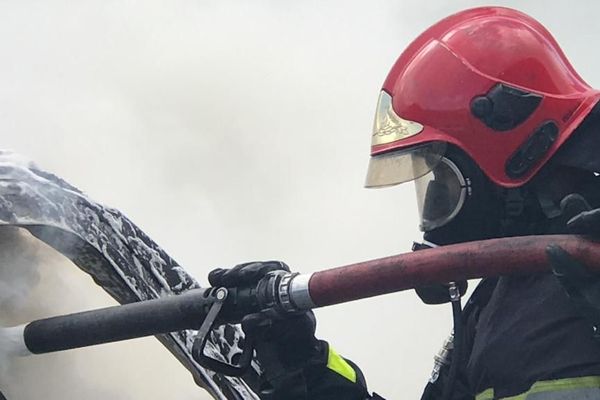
(495, 257)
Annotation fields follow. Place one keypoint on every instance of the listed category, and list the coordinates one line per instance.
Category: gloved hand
(284, 345)
(586, 223)
(581, 218)
(581, 285)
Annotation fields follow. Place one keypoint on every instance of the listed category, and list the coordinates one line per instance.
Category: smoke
(230, 131)
(38, 282)
(19, 274)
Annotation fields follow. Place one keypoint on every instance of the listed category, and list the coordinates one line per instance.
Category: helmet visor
(404, 165)
(440, 195)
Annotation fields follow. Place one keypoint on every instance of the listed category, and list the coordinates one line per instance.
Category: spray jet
(282, 292)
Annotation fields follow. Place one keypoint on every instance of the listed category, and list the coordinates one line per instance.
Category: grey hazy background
(229, 131)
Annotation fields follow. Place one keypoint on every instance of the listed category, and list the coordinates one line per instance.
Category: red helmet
(491, 81)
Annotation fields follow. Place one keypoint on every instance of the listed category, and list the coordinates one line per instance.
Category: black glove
(580, 217)
(582, 286)
(285, 345)
(586, 223)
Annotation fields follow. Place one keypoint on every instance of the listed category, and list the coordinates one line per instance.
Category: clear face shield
(441, 194)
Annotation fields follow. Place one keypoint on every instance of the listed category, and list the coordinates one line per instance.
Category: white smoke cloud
(19, 261)
(230, 131)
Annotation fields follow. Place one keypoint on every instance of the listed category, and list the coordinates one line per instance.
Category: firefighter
(502, 138)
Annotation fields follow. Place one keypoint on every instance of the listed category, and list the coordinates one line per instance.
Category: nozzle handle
(209, 323)
(111, 324)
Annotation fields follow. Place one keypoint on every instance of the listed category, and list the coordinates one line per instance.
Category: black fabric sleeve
(315, 381)
(325, 384)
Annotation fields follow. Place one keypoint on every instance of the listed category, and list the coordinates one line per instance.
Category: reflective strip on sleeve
(337, 364)
(585, 387)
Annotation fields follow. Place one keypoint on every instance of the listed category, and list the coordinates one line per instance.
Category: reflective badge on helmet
(388, 126)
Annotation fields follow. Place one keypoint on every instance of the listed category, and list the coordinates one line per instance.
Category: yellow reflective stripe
(487, 394)
(583, 382)
(337, 364)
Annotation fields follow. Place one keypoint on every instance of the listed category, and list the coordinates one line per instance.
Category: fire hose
(282, 292)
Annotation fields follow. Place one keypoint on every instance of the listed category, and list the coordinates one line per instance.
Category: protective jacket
(524, 340)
